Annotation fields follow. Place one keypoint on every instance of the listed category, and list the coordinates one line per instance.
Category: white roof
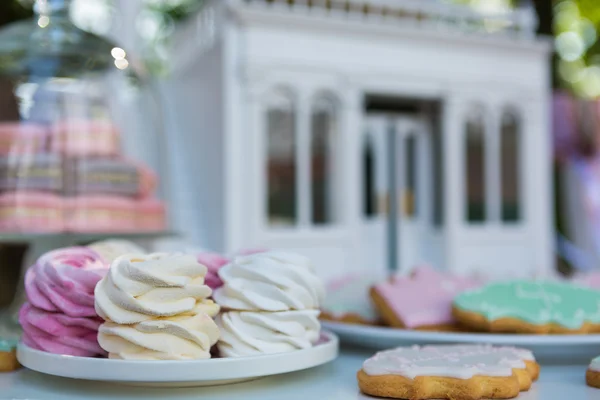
(426, 14)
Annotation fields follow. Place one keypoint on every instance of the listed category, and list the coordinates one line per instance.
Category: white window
(510, 169)
(324, 151)
(369, 177)
(282, 162)
(303, 160)
(475, 166)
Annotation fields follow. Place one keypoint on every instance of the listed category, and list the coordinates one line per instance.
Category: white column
(538, 170)
(453, 143)
(257, 163)
(351, 146)
(254, 139)
(493, 191)
(241, 109)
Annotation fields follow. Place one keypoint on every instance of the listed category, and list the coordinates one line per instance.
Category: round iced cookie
(592, 376)
(448, 372)
(8, 357)
(530, 307)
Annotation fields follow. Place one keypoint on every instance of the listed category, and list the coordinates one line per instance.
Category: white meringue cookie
(142, 287)
(110, 249)
(248, 333)
(183, 337)
(271, 281)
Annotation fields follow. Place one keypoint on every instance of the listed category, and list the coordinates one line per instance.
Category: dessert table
(333, 381)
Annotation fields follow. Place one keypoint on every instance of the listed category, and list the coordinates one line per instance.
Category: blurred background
(298, 124)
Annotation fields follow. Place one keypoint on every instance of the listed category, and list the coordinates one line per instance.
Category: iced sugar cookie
(449, 372)
(395, 301)
(530, 307)
(348, 301)
(592, 376)
(8, 356)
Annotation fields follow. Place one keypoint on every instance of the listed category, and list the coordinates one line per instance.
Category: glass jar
(82, 152)
(81, 144)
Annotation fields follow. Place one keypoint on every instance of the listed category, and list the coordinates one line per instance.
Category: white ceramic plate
(210, 372)
(551, 349)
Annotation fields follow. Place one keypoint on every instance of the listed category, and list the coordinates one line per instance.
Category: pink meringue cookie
(213, 262)
(59, 333)
(64, 280)
(249, 252)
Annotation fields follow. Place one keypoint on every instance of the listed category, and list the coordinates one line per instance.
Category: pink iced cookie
(213, 262)
(59, 333)
(100, 214)
(64, 280)
(31, 211)
(421, 300)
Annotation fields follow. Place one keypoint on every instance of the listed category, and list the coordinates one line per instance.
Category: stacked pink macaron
(59, 316)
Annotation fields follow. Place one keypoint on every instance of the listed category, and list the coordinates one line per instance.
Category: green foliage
(590, 9)
(576, 26)
(12, 10)
(176, 11)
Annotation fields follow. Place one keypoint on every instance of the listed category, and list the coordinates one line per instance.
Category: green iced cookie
(537, 303)
(7, 345)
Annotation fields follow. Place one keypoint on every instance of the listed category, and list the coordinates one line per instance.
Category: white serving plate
(549, 349)
(220, 371)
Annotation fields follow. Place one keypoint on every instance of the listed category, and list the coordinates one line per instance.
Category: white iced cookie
(449, 372)
(349, 298)
(272, 281)
(143, 287)
(249, 333)
(460, 362)
(595, 364)
(592, 375)
(110, 249)
(183, 337)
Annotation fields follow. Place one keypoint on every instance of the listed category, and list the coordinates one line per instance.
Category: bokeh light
(576, 28)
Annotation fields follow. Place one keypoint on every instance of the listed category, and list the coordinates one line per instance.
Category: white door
(412, 178)
(397, 149)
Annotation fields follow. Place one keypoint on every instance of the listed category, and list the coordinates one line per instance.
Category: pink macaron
(100, 214)
(31, 212)
(22, 138)
(80, 137)
(151, 215)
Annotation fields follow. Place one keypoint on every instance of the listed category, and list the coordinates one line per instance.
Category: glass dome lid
(50, 45)
(81, 133)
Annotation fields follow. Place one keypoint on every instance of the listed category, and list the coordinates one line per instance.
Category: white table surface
(334, 381)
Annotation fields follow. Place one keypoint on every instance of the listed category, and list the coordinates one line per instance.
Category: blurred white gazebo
(367, 134)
